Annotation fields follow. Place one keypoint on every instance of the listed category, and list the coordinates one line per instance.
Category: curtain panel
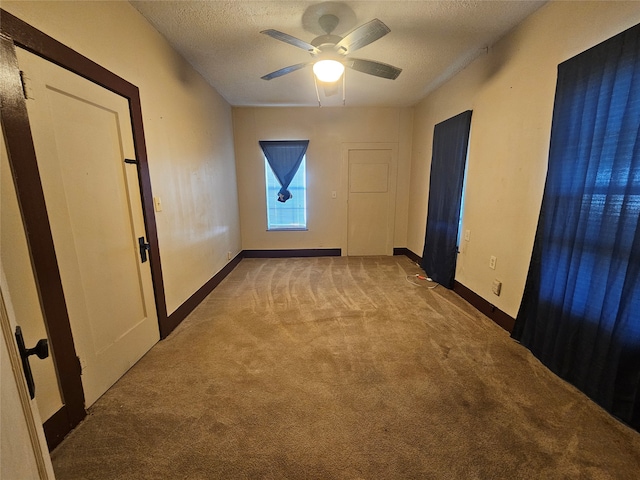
(450, 143)
(284, 157)
(580, 312)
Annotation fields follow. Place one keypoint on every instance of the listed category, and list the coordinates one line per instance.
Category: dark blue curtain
(450, 142)
(580, 313)
(284, 157)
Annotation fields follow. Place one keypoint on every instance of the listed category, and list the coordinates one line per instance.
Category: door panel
(82, 135)
(369, 177)
(371, 202)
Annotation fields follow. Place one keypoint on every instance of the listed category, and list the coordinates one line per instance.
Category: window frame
(271, 197)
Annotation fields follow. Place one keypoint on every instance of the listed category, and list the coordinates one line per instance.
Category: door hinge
(79, 365)
(23, 82)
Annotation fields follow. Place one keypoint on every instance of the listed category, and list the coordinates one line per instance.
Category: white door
(82, 135)
(23, 451)
(371, 202)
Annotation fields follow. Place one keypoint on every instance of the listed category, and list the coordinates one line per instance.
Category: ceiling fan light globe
(328, 71)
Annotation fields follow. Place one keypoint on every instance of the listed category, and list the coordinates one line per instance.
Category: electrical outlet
(228, 255)
(492, 262)
(334, 194)
(496, 287)
(157, 203)
(467, 235)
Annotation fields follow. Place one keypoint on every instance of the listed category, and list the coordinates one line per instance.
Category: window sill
(286, 229)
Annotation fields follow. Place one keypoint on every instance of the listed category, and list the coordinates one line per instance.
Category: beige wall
(511, 92)
(327, 130)
(188, 129)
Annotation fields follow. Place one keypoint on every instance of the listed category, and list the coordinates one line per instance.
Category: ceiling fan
(331, 52)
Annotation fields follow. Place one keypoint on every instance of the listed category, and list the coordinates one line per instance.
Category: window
(462, 196)
(290, 215)
(579, 312)
(449, 156)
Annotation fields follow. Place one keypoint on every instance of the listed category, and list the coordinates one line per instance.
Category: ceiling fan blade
(362, 36)
(284, 71)
(296, 42)
(377, 69)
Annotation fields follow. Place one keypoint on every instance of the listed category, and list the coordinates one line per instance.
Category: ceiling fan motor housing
(325, 40)
(328, 22)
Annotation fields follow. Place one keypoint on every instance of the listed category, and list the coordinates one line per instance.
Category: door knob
(41, 350)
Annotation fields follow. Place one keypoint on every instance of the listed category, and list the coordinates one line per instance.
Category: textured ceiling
(430, 41)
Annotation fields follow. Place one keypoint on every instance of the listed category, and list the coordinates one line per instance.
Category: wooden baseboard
(494, 313)
(407, 253)
(491, 311)
(485, 307)
(57, 427)
(308, 252)
(194, 300)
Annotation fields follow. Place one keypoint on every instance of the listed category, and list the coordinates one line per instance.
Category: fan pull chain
(344, 87)
(315, 82)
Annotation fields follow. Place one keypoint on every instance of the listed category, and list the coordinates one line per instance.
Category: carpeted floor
(339, 368)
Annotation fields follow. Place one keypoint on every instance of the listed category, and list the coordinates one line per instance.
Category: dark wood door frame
(22, 159)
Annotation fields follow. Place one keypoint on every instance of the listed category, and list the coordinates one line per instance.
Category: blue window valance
(284, 157)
